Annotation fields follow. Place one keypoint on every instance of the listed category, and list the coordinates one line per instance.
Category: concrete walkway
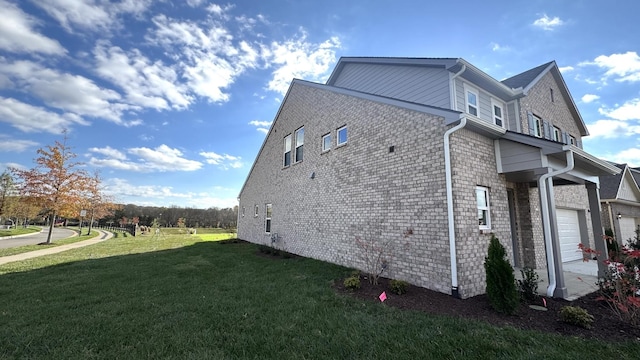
(580, 278)
(104, 235)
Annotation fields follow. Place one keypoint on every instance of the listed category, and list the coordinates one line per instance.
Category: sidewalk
(54, 250)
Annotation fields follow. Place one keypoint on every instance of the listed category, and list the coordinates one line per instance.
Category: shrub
(501, 284)
(352, 282)
(528, 285)
(576, 315)
(398, 287)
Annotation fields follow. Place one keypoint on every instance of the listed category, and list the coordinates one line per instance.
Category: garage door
(569, 233)
(627, 229)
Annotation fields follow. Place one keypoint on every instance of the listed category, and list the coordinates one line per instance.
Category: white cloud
(161, 159)
(630, 110)
(146, 83)
(29, 118)
(17, 33)
(8, 144)
(499, 48)
(611, 129)
(587, 98)
(629, 156)
(225, 161)
(547, 23)
(299, 59)
(67, 92)
(622, 67)
(566, 69)
(90, 14)
(262, 126)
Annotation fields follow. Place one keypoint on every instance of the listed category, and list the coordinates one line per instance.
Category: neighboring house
(434, 146)
(620, 199)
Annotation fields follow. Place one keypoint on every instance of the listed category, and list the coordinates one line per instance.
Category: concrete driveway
(36, 238)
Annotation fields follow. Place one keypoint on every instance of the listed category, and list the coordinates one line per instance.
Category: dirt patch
(606, 325)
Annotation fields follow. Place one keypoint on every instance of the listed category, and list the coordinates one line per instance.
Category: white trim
(557, 134)
(322, 142)
(537, 124)
(486, 207)
(268, 213)
(500, 105)
(468, 89)
(284, 154)
(295, 149)
(338, 143)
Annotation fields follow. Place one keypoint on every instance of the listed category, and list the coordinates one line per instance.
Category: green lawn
(19, 231)
(178, 297)
(27, 248)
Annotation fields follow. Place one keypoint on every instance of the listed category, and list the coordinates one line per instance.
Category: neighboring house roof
(609, 185)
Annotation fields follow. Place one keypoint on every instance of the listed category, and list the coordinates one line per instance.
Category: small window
(572, 140)
(243, 211)
(557, 134)
(287, 150)
(299, 144)
(498, 114)
(472, 103)
(255, 214)
(482, 198)
(267, 219)
(326, 142)
(551, 93)
(342, 135)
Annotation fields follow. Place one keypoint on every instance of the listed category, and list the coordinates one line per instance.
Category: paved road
(36, 238)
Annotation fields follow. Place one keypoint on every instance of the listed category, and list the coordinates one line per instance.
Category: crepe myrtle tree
(56, 183)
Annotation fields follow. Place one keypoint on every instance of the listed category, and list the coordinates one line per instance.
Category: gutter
(452, 235)
(544, 207)
(452, 91)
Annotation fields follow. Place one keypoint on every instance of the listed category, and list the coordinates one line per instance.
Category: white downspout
(544, 207)
(452, 235)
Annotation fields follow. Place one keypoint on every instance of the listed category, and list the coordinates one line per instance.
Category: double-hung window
(267, 219)
(255, 212)
(498, 113)
(326, 142)
(342, 135)
(557, 134)
(472, 102)
(287, 150)
(482, 198)
(299, 145)
(537, 126)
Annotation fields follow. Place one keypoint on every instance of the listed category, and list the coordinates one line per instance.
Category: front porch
(580, 278)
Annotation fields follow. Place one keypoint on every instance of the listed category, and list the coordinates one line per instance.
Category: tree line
(58, 189)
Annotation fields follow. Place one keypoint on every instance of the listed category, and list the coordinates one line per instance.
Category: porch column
(561, 287)
(596, 222)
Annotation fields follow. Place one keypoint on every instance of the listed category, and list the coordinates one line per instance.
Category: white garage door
(627, 229)
(569, 233)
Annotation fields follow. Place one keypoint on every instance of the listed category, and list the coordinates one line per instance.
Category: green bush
(398, 287)
(528, 285)
(352, 282)
(576, 315)
(501, 284)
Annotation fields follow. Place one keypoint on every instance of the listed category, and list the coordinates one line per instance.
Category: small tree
(501, 285)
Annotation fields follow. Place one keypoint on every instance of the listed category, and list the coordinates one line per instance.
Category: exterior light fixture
(619, 216)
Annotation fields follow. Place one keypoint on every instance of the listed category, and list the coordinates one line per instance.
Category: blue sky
(171, 100)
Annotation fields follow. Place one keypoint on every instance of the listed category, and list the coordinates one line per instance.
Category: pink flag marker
(383, 296)
(544, 301)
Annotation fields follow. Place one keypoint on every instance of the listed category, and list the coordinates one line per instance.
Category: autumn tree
(96, 201)
(56, 183)
(6, 191)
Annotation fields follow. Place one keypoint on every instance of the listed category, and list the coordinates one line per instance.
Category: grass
(177, 297)
(19, 231)
(27, 248)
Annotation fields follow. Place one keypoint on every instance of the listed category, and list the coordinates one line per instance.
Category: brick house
(435, 146)
(620, 200)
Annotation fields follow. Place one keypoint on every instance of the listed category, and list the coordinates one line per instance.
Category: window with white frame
(342, 135)
(482, 198)
(472, 102)
(572, 140)
(255, 212)
(537, 126)
(498, 113)
(243, 211)
(287, 150)
(326, 142)
(267, 219)
(557, 134)
(299, 144)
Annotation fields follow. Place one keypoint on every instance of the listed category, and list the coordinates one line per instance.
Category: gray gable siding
(485, 109)
(424, 85)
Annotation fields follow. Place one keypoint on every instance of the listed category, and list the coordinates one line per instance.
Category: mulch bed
(606, 326)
